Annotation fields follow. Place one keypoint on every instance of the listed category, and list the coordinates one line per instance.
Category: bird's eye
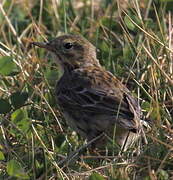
(68, 45)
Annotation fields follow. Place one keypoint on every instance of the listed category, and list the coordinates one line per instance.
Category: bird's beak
(43, 45)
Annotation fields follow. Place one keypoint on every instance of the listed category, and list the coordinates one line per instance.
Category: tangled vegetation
(134, 40)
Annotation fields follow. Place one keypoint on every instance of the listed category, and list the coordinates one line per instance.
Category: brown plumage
(92, 99)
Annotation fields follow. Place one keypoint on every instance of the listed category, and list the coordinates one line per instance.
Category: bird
(92, 100)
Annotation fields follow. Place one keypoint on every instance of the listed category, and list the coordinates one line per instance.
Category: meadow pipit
(93, 101)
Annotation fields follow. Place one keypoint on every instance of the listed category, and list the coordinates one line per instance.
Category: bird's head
(72, 50)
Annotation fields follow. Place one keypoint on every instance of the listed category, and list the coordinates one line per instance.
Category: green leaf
(129, 23)
(52, 76)
(20, 118)
(18, 99)
(5, 106)
(51, 99)
(96, 176)
(7, 66)
(104, 47)
(2, 157)
(24, 125)
(146, 105)
(163, 175)
(19, 115)
(14, 169)
(127, 53)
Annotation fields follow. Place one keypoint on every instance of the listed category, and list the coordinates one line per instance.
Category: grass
(134, 42)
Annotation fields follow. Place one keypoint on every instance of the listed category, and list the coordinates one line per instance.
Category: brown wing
(96, 91)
